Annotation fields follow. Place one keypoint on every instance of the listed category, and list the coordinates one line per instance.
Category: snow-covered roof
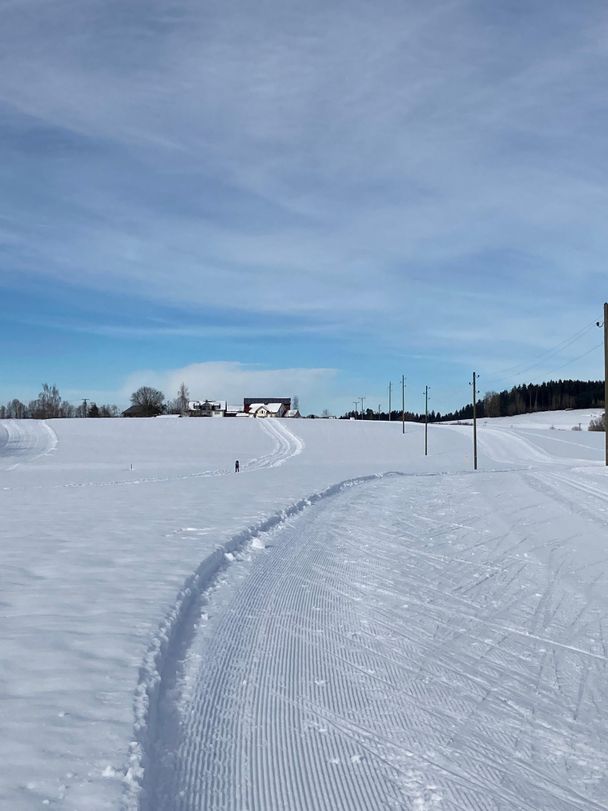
(274, 407)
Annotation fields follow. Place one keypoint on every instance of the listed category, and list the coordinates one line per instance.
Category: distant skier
(237, 467)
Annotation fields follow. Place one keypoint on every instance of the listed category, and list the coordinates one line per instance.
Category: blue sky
(310, 198)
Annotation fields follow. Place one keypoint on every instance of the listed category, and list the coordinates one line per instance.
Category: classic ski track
(499, 444)
(560, 487)
(25, 441)
(265, 728)
(159, 669)
(584, 487)
(286, 444)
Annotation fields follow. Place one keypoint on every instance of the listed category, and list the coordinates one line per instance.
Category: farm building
(207, 408)
(267, 410)
(250, 401)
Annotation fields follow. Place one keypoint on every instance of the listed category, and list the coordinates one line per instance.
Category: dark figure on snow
(236, 466)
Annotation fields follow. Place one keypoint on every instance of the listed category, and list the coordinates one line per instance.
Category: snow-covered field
(346, 624)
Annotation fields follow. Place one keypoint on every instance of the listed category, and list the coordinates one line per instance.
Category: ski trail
(517, 447)
(24, 441)
(154, 715)
(28, 442)
(334, 666)
(504, 445)
(286, 445)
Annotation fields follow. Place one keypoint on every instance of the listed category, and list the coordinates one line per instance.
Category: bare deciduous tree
(183, 397)
(48, 404)
(149, 399)
(16, 410)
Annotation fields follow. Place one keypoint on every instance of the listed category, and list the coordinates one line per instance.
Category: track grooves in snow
(287, 444)
(25, 441)
(378, 656)
(155, 717)
(29, 439)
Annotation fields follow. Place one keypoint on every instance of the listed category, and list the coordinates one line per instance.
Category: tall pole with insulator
(426, 421)
(475, 420)
(606, 380)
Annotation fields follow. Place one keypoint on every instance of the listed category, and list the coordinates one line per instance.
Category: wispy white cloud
(233, 381)
(378, 167)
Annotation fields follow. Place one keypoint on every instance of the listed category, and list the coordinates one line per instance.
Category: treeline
(556, 395)
(395, 416)
(50, 405)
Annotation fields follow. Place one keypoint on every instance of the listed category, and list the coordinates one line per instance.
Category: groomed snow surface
(345, 624)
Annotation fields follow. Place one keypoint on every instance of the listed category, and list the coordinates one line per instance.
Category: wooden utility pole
(605, 325)
(402, 404)
(390, 391)
(475, 420)
(426, 421)
(606, 378)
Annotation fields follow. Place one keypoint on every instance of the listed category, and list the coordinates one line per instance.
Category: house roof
(248, 402)
(195, 404)
(272, 408)
(135, 411)
(252, 400)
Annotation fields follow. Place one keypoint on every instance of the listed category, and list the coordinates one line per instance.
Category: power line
(517, 369)
(578, 357)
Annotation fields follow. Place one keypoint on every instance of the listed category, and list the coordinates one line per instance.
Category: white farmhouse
(207, 408)
(267, 409)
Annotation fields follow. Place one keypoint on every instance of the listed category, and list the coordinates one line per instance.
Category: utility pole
(605, 325)
(390, 390)
(426, 421)
(606, 378)
(475, 420)
(85, 401)
(363, 397)
(356, 402)
(402, 404)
